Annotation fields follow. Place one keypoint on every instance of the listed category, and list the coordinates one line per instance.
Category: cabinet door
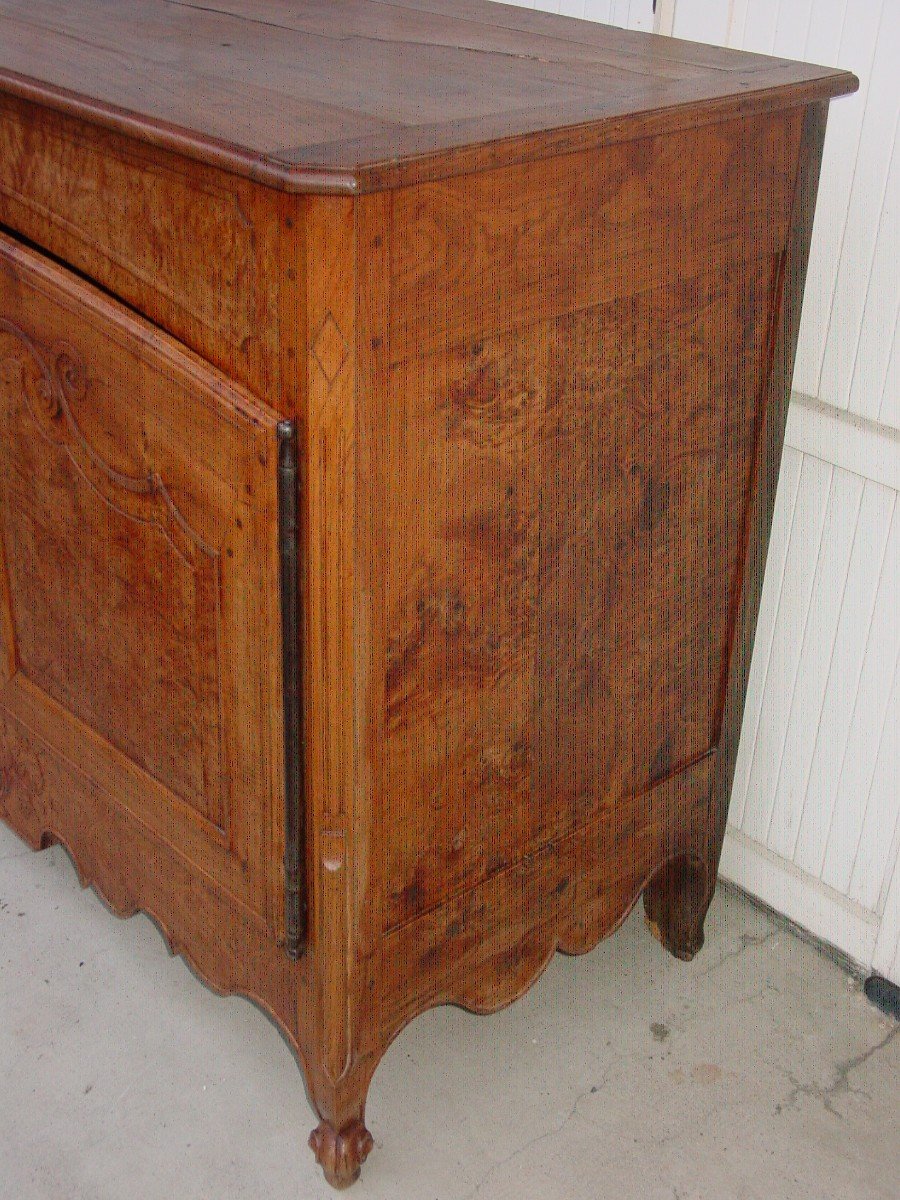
(139, 572)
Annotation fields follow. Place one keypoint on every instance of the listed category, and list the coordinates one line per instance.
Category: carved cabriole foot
(675, 904)
(341, 1155)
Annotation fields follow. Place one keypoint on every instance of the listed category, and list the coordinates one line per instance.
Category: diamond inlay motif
(330, 349)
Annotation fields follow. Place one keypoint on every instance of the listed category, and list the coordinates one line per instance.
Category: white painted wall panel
(699, 21)
(856, 50)
(882, 303)
(878, 841)
(847, 657)
(886, 955)
(889, 413)
(868, 725)
(808, 695)
(785, 501)
(791, 615)
(815, 814)
(792, 27)
(846, 340)
(628, 14)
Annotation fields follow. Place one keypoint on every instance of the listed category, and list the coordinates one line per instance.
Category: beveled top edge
(325, 177)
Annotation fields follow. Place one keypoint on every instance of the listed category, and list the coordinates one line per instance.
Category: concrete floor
(758, 1071)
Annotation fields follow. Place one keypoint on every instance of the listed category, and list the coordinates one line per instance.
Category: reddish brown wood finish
(539, 367)
(364, 94)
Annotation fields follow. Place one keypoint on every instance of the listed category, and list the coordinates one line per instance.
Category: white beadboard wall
(814, 827)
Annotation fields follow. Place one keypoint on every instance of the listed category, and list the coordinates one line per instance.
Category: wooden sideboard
(392, 404)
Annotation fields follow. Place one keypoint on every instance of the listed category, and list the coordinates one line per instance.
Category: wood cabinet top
(312, 95)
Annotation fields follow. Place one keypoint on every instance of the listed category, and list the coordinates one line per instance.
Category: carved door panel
(138, 570)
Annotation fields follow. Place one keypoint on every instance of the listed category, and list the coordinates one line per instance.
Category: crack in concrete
(747, 940)
(839, 1086)
(536, 1141)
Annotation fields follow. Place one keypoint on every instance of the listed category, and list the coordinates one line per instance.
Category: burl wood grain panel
(198, 252)
(136, 503)
(154, 619)
(562, 499)
(516, 245)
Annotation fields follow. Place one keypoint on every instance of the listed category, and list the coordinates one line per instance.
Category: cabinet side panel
(559, 418)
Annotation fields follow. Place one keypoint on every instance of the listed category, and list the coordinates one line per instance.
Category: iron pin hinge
(292, 674)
